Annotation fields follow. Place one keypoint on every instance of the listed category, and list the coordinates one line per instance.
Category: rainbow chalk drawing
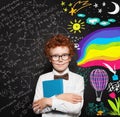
(100, 48)
(99, 80)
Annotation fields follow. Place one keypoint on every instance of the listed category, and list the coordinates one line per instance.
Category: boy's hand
(42, 103)
(70, 97)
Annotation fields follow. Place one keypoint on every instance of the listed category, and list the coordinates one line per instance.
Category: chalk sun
(76, 26)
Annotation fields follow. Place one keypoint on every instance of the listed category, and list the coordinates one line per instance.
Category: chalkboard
(25, 25)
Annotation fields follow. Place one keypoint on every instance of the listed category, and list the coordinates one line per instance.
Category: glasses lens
(65, 56)
(57, 57)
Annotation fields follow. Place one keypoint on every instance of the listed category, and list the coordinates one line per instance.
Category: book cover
(52, 87)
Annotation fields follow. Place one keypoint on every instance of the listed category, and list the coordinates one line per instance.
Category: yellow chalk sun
(76, 26)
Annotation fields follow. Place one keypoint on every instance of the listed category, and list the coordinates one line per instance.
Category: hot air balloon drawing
(99, 80)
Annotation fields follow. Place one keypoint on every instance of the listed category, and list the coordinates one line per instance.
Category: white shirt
(61, 108)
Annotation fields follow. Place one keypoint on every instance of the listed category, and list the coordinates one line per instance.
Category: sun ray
(76, 26)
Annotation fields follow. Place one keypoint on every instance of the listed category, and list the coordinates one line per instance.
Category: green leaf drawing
(115, 106)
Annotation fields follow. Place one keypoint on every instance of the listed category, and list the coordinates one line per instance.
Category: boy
(60, 50)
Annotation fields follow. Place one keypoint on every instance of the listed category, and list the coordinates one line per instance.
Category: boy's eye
(55, 56)
(65, 55)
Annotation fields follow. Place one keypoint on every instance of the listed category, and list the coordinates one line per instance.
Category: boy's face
(60, 58)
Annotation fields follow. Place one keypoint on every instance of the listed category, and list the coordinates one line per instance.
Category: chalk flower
(112, 95)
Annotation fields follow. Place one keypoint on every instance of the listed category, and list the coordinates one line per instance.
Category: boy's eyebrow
(61, 54)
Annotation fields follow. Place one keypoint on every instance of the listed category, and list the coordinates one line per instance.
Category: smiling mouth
(61, 63)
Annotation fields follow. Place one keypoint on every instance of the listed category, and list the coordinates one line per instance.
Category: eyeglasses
(57, 57)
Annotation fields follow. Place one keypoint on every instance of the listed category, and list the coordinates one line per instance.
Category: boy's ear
(50, 60)
(70, 59)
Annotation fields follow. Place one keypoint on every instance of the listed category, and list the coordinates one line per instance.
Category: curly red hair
(59, 40)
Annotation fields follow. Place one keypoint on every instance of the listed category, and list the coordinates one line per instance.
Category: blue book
(52, 87)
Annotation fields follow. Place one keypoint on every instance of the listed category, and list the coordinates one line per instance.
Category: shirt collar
(57, 73)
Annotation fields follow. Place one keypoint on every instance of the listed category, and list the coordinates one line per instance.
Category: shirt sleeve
(38, 95)
(67, 107)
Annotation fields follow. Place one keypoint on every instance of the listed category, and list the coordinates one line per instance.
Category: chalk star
(72, 11)
(70, 4)
(65, 9)
(62, 3)
(99, 10)
(95, 5)
(103, 3)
